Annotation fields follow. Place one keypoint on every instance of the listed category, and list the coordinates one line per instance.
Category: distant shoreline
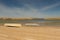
(29, 18)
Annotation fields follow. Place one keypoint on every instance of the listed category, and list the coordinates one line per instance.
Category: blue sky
(30, 8)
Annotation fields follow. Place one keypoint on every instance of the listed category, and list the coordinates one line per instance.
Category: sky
(30, 8)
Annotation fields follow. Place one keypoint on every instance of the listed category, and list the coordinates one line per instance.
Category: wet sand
(30, 33)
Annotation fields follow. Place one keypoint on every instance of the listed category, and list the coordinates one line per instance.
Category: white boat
(32, 24)
(13, 25)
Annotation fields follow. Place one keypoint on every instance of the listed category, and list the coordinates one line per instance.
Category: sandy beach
(30, 33)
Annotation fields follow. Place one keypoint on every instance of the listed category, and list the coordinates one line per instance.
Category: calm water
(42, 22)
(23, 21)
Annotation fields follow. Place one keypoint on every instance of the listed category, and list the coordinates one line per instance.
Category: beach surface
(30, 33)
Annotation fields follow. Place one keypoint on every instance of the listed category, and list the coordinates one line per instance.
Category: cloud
(50, 6)
(6, 11)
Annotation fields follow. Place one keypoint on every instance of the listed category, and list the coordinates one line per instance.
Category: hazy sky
(30, 8)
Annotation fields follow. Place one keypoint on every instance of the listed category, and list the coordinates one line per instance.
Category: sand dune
(30, 33)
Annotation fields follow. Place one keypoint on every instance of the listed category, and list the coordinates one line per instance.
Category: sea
(40, 22)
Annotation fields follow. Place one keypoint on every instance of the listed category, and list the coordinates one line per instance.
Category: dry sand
(30, 33)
